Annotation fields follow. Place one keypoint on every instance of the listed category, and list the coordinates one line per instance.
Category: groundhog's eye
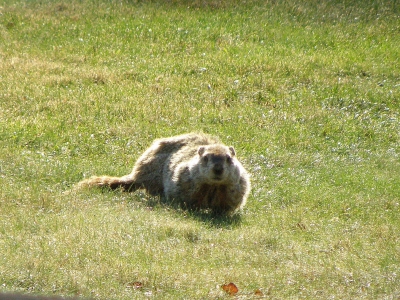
(205, 159)
(228, 159)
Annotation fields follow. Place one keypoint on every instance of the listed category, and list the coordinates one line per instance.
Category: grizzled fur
(194, 169)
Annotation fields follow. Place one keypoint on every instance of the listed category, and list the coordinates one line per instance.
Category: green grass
(306, 91)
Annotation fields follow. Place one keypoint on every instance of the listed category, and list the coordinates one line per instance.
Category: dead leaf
(135, 285)
(230, 288)
(257, 292)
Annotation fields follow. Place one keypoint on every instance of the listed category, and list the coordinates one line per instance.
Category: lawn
(306, 91)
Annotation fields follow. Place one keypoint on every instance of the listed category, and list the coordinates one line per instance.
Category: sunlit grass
(306, 92)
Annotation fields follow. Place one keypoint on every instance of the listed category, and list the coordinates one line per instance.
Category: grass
(307, 92)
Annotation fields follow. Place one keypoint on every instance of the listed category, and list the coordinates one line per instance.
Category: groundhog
(195, 170)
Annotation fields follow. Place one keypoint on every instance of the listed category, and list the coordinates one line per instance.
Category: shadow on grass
(216, 220)
(197, 4)
(206, 216)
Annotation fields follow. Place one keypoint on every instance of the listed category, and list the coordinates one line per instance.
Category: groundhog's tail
(124, 182)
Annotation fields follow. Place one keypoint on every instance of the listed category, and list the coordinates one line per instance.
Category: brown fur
(194, 169)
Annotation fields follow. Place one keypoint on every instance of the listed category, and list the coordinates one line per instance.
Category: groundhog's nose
(218, 169)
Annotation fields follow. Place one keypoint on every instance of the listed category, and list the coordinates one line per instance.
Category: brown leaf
(230, 288)
(135, 285)
(257, 292)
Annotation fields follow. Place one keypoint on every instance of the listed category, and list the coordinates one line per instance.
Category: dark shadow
(206, 216)
(194, 4)
(216, 220)
(16, 296)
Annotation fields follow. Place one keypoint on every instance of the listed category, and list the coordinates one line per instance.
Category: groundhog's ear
(232, 150)
(201, 150)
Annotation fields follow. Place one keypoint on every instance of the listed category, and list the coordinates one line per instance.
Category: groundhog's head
(216, 162)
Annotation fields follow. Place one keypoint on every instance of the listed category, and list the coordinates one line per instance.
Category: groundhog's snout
(218, 169)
